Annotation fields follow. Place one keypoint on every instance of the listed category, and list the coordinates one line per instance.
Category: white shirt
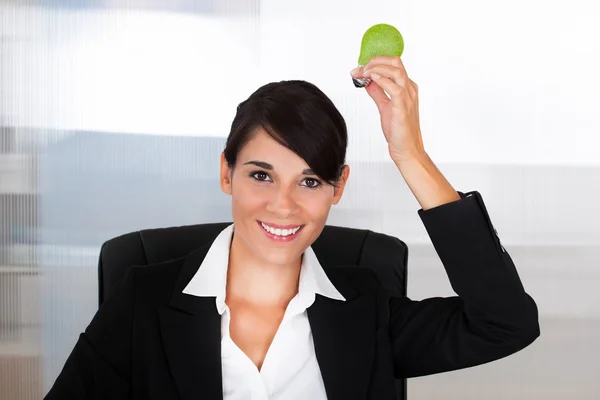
(290, 369)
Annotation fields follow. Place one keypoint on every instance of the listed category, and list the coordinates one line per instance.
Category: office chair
(345, 246)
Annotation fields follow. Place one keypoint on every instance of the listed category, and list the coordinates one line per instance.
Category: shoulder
(379, 266)
(160, 271)
(362, 279)
(153, 284)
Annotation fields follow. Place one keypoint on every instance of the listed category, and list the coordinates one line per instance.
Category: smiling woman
(242, 316)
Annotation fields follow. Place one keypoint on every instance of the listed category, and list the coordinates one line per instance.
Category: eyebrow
(269, 167)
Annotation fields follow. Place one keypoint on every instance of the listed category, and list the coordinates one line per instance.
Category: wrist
(417, 157)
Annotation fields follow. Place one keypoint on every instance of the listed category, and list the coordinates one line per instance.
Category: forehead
(262, 147)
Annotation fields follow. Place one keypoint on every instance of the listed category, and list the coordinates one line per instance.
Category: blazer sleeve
(99, 364)
(492, 316)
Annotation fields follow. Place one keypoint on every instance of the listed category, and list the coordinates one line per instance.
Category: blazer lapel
(191, 330)
(344, 337)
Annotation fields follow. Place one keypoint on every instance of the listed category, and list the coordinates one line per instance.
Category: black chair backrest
(336, 246)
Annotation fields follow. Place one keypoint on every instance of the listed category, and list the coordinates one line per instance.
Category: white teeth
(279, 232)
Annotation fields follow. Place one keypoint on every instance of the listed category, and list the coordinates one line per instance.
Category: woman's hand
(400, 113)
(400, 123)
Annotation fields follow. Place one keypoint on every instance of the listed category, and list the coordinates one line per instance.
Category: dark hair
(299, 116)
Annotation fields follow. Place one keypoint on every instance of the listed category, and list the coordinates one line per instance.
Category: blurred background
(113, 115)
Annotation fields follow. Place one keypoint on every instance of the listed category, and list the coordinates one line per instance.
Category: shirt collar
(211, 278)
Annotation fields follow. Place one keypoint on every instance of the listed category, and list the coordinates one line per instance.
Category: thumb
(377, 94)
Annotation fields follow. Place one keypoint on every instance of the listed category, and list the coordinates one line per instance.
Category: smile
(280, 233)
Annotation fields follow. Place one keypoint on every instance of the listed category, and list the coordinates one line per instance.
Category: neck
(252, 279)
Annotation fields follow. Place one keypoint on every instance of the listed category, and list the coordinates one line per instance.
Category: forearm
(426, 182)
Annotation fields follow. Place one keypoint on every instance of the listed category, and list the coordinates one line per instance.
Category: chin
(276, 249)
(275, 257)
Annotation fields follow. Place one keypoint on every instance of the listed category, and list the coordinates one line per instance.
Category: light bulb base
(361, 82)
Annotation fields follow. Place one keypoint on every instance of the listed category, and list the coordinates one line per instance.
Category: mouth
(280, 233)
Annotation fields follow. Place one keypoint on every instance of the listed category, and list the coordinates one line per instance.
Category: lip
(280, 239)
(281, 226)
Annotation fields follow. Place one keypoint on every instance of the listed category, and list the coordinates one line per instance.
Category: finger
(413, 89)
(358, 72)
(378, 95)
(397, 93)
(389, 72)
(395, 75)
(392, 61)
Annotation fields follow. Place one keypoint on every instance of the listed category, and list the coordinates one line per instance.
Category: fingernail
(375, 76)
(354, 71)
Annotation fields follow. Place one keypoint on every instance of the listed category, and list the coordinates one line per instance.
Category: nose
(282, 204)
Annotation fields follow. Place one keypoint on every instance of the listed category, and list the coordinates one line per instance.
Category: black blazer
(151, 341)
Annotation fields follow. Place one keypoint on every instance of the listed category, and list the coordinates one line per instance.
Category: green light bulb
(378, 40)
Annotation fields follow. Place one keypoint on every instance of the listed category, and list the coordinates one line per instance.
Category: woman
(247, 316)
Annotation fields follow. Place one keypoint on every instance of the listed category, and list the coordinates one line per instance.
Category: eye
(260, 176)
(311, 183)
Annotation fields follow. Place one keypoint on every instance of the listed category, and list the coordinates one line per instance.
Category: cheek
(317, 206)
(247, 197)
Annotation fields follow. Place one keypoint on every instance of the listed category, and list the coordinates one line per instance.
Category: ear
(341, 184)
(225, 175)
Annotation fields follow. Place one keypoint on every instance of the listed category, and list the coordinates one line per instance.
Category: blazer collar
(343, 334)
(210, 279)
